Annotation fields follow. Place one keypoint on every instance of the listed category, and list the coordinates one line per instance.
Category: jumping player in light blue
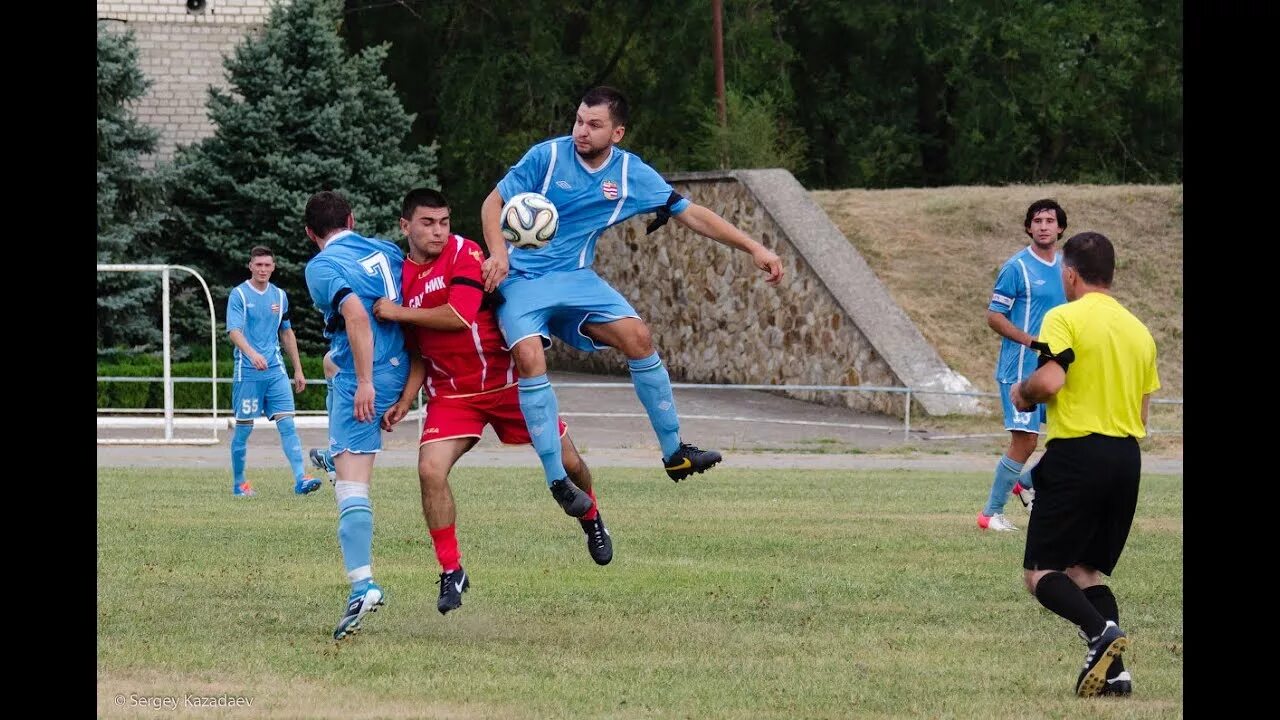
(1028, 285)
(258, 323)
(553, 291)
(345, 279)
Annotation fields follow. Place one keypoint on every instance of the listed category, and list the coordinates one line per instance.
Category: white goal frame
(168, 438)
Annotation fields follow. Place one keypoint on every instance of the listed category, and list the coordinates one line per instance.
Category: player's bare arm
(496, 266)
(707, 223)
(360, 336)
(417, 375)
(240, 341)
(1043, 384)
(442, 317)
(1005, 328)
(290, 342)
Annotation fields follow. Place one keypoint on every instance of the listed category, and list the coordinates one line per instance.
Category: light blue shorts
(271, 396)
(1015, 419)
(559, 304)
(346, 434)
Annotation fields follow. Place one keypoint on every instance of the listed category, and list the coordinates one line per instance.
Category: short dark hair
(327, 211)
(619, 112)
(1042, 205)
(259, 251)
(421, 197)
(1091, 255)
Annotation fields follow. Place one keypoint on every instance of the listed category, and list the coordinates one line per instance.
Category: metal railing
(905, 391)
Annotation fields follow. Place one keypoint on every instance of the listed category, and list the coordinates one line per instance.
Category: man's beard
(593, 154)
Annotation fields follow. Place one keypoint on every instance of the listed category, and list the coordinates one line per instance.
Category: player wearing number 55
(258, 324)
(345, 279)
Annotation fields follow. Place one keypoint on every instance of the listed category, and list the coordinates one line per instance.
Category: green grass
(744, 594)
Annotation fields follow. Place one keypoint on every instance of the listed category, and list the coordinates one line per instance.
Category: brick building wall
(180, 51)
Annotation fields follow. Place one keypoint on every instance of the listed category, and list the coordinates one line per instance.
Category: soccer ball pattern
(529, 221)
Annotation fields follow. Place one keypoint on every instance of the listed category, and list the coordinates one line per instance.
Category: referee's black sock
(1105, 603)
(1064, 598)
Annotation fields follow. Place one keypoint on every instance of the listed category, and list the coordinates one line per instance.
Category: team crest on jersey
(275, 307)
(610, 189)
(479, 256)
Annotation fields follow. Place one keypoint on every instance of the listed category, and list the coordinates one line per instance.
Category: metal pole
(213, 343)
(168, 372)
(718, 53)
(717, 50)
(213, 357)
(906, 419)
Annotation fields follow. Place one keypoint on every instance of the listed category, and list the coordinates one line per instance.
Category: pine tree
(302, 115)
(130, 199)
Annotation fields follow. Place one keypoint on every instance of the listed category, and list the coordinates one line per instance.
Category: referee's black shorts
(1086, 494)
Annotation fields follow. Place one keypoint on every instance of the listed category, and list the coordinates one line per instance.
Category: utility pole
(717, 49)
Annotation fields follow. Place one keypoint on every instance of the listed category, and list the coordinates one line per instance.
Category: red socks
(592, 513)
(445, 541)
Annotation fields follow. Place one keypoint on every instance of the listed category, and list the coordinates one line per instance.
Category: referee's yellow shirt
(1114, 366)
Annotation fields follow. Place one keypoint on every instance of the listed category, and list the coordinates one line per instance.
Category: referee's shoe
(1103, 650)
(1121, 684)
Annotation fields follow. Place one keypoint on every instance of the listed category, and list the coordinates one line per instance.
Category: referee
(1096, 373)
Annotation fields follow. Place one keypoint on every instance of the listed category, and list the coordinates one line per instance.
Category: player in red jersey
(457, 350)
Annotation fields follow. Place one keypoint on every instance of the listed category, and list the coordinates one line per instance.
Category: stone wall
(180, 52)
(715, 320)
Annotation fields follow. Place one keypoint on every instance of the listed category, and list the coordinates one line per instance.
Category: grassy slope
(938, 250)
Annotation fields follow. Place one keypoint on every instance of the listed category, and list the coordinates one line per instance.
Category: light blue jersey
(1026, 288)
(260, 315)
(366, 268)
(589, 201)
(369, 268)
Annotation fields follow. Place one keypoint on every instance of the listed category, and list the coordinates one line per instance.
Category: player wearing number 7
(345, 278)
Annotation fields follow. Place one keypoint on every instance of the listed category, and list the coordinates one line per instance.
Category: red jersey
(459, 362)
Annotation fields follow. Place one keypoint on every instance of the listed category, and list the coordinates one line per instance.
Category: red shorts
(460, 417)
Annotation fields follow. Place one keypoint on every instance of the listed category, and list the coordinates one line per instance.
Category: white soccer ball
(529, 221)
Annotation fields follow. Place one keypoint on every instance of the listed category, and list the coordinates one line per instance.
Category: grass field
(741, 594)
